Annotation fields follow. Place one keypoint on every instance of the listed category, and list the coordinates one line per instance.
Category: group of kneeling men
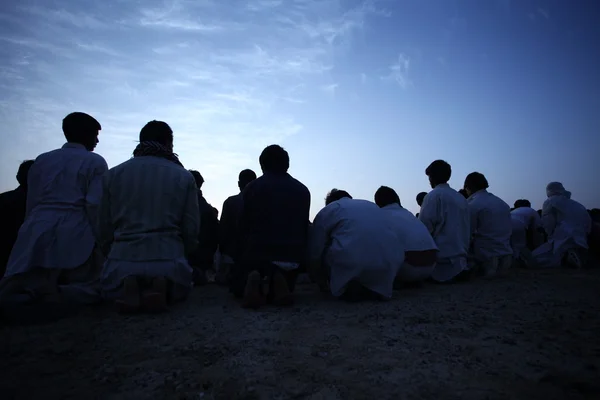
(127, 234)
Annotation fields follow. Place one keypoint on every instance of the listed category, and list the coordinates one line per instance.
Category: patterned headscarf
(157, 150)
(557, 189)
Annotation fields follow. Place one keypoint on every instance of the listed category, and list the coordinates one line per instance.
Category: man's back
(571, 216)
(445, 214)
(12, 209)
(228, 226)
(528, 216)
(491, 225)
(413, 233)
(273, 221)
(150, 205)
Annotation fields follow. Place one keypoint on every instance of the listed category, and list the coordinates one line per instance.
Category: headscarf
(557, 189)
(155, 149)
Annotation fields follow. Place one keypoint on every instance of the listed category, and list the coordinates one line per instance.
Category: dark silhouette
(439, 172)
(464, 193)
(335, 195)
(475, 182)
(12, 207)
(272, 231)
(384, 196)
(421, 198)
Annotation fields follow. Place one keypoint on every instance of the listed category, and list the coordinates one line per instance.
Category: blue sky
(360, 93)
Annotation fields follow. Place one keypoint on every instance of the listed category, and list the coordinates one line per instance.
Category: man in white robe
(568, 225)
(532, 220)
(149, 223)
(355, 248)
(420, 251)
(55, 254)
(491, 228)
(445, 213)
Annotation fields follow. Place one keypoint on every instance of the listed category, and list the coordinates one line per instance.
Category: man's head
(81, 128)
(23, 172)
(522, 203)
(384, 196)
(157, 131)
(198, 178)
(475, 182)
(274, 159)
(421, 198)
(439, 172)
(335, 195)
(245, 177)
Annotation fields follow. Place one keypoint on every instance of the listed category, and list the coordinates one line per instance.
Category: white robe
(354, 240)
(445, 213)
(567, 224)
(491, 226)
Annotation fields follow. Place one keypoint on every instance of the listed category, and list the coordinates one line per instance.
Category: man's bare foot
(253, 298)
(155, 299)
(130, 302)
(281, 292)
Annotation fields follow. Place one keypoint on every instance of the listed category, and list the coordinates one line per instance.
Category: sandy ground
(534, 335)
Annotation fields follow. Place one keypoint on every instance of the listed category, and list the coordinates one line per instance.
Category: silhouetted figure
(354, 251)
(420, 198)
(445, 214)
(568, 225)
(420, 250)
(12, 208)
(56, 245)
(228, 227)
(202, 258)
(273, 233)
(491, 228)
(464, 193)
(149, 223)
(531, 220)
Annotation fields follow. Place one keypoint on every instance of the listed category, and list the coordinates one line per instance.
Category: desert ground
(532, 335)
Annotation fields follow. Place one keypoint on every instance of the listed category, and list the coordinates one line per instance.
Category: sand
(533, 335)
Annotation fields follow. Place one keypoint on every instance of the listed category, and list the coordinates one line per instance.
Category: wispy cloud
(330, 89)
(399, 70)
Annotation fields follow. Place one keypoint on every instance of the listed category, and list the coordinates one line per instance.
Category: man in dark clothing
(12, 209)
(228, 227)
(203, 257)
(272, 233)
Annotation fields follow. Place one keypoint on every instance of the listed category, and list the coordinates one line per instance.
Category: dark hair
(522, 203)
(23, 172)
(384, 196)
(464, 193)
(157, 131)
(274, 159)
(476, 181)
(80, 127)
(245, 177)
(197, 177)
(421, 198)
(216, 211)
(439, 171)
(335, 195)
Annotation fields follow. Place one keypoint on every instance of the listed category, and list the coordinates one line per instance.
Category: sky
(361, 93)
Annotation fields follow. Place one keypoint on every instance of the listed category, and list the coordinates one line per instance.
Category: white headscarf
(557, 189)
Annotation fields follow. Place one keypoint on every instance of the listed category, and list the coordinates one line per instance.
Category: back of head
(197, 177)
(384, 196)
(557, 189)
(522, 203)
(335, 195)
(157, 131)
(475, 182)
(274, 159)
(421, 198)
(245, 177)
(81, 128)
(439, 172)
(23, 172)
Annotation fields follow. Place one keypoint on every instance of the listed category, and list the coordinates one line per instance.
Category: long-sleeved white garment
(64, 190)
(445, 213)
(413, 234)
(491, 226)
(150, 220)
(530, 218)
(355, 241)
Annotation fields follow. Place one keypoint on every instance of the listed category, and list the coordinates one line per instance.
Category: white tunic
(445, 213)
(491, 226)
(64, 190)
(413, 234)
(530, 218)
(354, 239)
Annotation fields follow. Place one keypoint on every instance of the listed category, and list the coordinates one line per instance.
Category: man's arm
(429, 212)
(104, 223)
(318, 240)
(190, 227)
(548, 217)
(93, 195)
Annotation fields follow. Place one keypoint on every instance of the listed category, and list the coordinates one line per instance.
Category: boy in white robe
(491, 228)
(353, 246)
(567, 224)
(420, 251)
(445, 213)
